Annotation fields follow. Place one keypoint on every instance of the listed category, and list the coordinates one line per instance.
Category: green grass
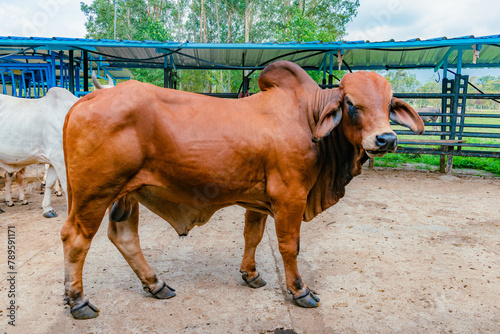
(431, 162)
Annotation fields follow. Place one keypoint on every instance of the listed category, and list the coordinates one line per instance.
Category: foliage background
(217, 21)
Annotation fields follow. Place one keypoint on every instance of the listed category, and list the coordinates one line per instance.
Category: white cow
(21, 186)
(31, 133)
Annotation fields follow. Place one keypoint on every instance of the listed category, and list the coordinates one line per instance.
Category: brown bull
(288, 151)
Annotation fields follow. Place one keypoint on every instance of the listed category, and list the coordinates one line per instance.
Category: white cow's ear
(329, 118)
(403, 114)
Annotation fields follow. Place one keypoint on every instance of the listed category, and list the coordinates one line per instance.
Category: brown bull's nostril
(387, 141)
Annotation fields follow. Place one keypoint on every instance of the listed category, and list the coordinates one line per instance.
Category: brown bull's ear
(329, 118)
(402, 114)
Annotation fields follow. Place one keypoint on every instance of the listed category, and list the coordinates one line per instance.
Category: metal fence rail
(458, 131)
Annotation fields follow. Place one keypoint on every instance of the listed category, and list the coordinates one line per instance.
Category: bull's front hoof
(50, 214)
(84, 311)
(308, 299)
(255, 282)
(59, 194)
(25, 203)
(165, 292)
(10, 204)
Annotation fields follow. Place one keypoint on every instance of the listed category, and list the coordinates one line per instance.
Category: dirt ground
(403, 252)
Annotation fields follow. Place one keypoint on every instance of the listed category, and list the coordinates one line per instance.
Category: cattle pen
(30, 66)
(404, 251)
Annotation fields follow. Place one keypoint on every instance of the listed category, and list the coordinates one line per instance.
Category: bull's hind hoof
(25, 203)
(1, 211)
(165, 292)
(50, 214)
(84, 311)
(308, 299)
(255, 282)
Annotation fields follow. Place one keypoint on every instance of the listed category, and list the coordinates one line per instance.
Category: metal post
(245, 82)
(330, 77)
(52, 82)
(77, 77)
(61, 70)
(459, 61)
(165, 73)
(71, 73)
(168, 73)
(85, 71)
(324, 70)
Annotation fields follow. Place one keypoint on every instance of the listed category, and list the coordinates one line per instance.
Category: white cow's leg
(21, 186)
(61, 175)
(8, 184)
(48, 211)
(44, 181)
(57, 189)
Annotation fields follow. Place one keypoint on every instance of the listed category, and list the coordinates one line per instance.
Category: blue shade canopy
(354, 55)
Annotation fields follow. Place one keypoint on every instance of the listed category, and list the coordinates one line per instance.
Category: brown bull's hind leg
(77, 234)
(255, 223)
(125, 236)
(288, 218)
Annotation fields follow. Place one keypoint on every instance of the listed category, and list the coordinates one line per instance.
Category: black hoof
(84, 311)
(165, 292)
(25, 203)
(50, 214)
(255, 282)
(58, 194)
(2, 211)
(308, 299)
(10, 204)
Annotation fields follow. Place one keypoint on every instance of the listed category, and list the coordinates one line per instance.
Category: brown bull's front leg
(288, 218)
(255, 224)
(125, 236)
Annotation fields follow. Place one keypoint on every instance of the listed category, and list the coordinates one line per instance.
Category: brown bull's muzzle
(378, 144)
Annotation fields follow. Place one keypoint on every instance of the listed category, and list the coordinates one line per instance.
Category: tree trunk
(248, 18)
(287, 16)
(179, 23)
(229, 23)
(203, 23)
(217, 15)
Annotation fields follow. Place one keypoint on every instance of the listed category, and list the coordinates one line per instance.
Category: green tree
(403, 81)
(487, 84)
(430, 86)
(213, 21)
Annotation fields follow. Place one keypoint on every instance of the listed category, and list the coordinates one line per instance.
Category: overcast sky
(377, 20)
(380, 20)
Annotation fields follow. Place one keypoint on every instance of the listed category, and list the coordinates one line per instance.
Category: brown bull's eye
(352, 112)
